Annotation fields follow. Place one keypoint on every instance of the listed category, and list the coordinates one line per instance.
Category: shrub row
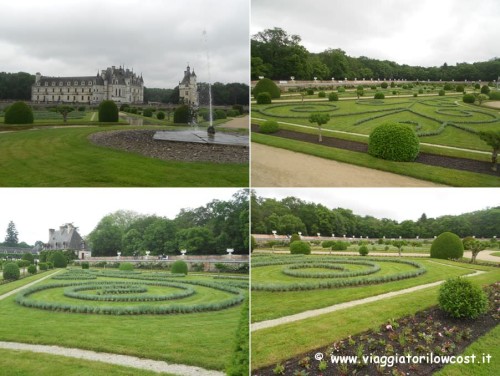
(346, 274)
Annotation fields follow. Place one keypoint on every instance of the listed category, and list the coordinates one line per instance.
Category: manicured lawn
(171, 337)
(66, 158)
(26, 363)
(272, 345)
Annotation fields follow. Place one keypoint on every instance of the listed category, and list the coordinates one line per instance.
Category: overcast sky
(413, 32)
(155, 37)
(35, 210)
(394, 203)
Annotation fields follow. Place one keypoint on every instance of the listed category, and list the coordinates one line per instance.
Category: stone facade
(118, 84)
(188, 89)
(67, 237)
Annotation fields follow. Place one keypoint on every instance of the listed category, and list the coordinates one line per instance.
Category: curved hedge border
(23, 299)
(336, 283)
(313, 108)
(346, 274)
(74, 292)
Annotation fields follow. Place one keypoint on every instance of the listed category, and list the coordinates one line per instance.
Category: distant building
(188, 89)
(118, 84)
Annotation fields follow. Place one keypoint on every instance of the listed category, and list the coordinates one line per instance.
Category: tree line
(277, 55)
(210, 229)
(291, 215)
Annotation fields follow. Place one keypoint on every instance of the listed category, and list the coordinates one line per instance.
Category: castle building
(117, 84)
(188, 89)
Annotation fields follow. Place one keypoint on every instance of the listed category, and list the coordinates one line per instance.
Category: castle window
(83, 83)
(46, 84)
(60, 83)
(76, 83)
(68, 83)
(53, 83)
(38, 84)
(68, 97)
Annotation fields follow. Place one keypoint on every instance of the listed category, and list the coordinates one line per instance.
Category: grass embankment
(66, 158)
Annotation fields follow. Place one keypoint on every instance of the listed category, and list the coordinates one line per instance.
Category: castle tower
(188, 90)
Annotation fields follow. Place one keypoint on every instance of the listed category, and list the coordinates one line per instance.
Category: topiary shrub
(459, 88)
(58, 260)
(126, 266)
(447, 246)
(23, 263)
(363, 250)
(108, 112)
(379, 95)
(266, 86)
(384, 85)
(485, 89)
(448, 86)
(43, 266)
(179, 267)
(339, 245)
(460, 298)
(299, 247)
(333, 97)
(494, 95)
(328, 243)
(85, 265)
(469, 98)
(181, 114)
(28, 257)
(294, 238)
(50, 265)
(269, 126)
(233, 113)
(394, 142)
(341, 89)
(321, 94)
(264, 98)
(441, 93)
(148, 112)
(310, 91)
(125, 107)
(19, 113)
(32, 269)
(220, 114)
(160, 115)
(11, 271)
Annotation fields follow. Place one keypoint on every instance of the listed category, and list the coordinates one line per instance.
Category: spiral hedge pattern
(125, 293)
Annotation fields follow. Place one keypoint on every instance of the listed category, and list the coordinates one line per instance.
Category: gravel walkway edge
(121, 360)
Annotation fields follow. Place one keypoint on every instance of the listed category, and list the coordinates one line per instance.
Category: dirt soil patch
(425, 158)
(428, 331)
(141, 142)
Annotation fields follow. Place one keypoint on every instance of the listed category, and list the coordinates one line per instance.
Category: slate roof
(66, 237)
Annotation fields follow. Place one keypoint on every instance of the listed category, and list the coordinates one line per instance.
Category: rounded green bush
(85, 265)
(459, 88)
(220, 114)
(394, 142)
(58, 260)
(179, 267)
(441, 93)
(125, 107)
(341, 89)
(333, 97)
(469, 98)
(327, 243)
(181, 114)
(160, 115)
(294, 238)
(11, 271)
(148, 112)
(485, 89)
(108, 111)
(448, 86)
(447, 246)
(321, 94)
(264, 98)
(19, 113)
(494, 95)
(339, 245)
(363, 250)
(299, 247)
(310, 91)
(384, 85)
(460, 298)
(266, 86)
(23, 263)
(43, 266)
(126, 266)
(269, 126)
(233, 113)
(32, 269)
(379, 95)
(28, 257)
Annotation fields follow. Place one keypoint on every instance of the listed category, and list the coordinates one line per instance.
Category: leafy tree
(64, 110)
(108, 111)
(28, 257)
(106, 238)
(197, 240)
(320, 119)
(492, 138)
(475, 246)
(11, 239)
(19, 113)
(481, 98)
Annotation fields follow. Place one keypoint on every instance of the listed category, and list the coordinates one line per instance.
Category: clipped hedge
(180, 267)
(19, 113)
(462, 299)
(264, 98)
(126, 266)
(269, 126)
(292, 270)
(300, 247)
(266, 86)
(469, 98)
(447, 246)
(395, 142)
(181, 114)
(108, 112)
(333, 97)
(11, 271)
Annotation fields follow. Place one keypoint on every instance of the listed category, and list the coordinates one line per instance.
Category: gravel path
(275, 167)
(336, 307)
(141, 141)
(121, 360)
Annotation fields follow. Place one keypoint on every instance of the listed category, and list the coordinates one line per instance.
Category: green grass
(26, 363)
(495, 254)
(438, 175)
(21, 282)
(487, 344)
(268, 305)
(172, 338)
(66, 158)
(273, 345)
